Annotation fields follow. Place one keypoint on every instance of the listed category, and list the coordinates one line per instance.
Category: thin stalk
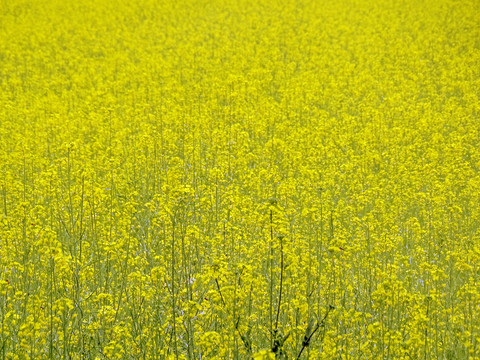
(52, 270)
(271, 280)
(81, 218)
(4, 339)
(281, 282)
(173, 291)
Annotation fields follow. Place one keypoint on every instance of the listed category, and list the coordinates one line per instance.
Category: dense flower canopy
(239, 179)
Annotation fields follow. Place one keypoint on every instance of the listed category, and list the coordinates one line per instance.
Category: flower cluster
(239, 179)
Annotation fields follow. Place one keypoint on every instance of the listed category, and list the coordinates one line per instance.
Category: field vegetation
(294, 179)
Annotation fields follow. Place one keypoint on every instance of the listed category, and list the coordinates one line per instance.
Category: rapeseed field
(239, 179)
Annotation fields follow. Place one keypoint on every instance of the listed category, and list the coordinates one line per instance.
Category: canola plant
(294, 179)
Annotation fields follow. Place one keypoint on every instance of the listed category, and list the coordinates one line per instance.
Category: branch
(308, 337)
